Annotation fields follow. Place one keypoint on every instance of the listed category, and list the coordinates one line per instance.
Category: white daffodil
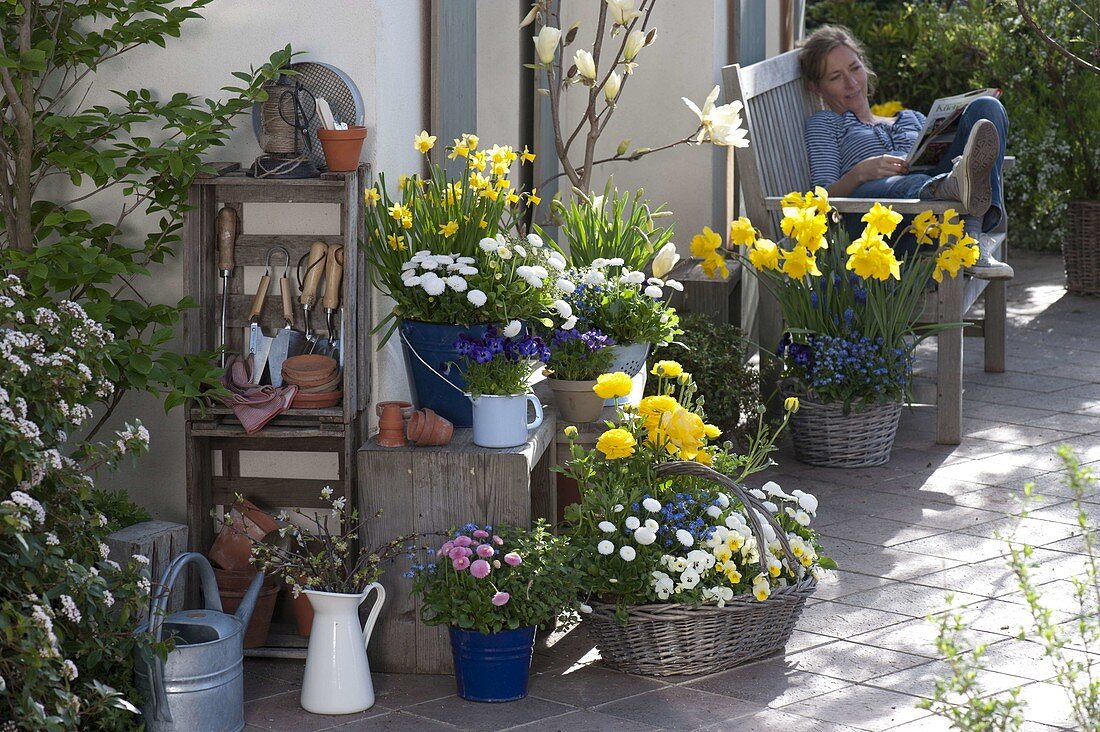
(607, 527)
(644, 535)
(632, 523)
(635, 42)
(546, 44)
(665, 260)
(456, 283)
(564, 309)
(512, 329)
(477, 298)
(622, 11)
(535, 240)
(655, 292)
(612, 86)
(605, 548)
(652, 505)
(720, 125)
(586, 65)
(627, 553)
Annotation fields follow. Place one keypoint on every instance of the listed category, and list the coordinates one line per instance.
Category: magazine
(940, 126)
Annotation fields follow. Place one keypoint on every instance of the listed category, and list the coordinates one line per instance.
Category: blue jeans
(917, 185)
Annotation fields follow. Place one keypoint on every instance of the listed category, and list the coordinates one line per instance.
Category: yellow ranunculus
(742, 232)
(764, 254)
(685, 430)
(424, 142)
(616, 443)
(882, 219)
(652, 407)
(670, 369)
(791, 404)
(610, 386)
(711, 431)
(799, 262)
(570, 432)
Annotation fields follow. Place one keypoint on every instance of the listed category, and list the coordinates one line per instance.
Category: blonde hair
(822, 42)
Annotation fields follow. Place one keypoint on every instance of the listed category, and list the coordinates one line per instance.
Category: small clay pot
(233, 586)
(342, 147)
(302, 609)
(426, 428)
(407, 408)
(391, 428)
(232, 549)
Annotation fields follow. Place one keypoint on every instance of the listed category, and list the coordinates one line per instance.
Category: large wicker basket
(1081, 249)
(823, 435)
(673, 639)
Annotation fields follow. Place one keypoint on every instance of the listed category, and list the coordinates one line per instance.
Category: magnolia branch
(1025, 11)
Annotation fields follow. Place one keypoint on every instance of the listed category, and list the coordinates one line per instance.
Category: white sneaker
(968, 180)
(989, 267)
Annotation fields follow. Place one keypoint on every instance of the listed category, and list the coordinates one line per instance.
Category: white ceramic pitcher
(501, 421)
(337, 677)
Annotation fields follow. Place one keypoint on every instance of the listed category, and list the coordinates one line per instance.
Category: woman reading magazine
(854, 153)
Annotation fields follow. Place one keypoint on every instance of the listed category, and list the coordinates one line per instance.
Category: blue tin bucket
(438, 379)
(492, 667)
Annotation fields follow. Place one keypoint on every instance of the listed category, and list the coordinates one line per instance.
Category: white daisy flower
(627, 553)
(512, 329)
(632, 523)
(605, 548)
(652, 505)
(535, 240)
(477, 298)
(488, 245)
(655, 292)
(607, 527)
(456, 283)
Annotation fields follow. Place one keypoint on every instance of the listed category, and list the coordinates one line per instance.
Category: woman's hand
(881, 166)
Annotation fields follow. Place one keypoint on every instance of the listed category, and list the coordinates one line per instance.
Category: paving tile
(1025, 658)
(1003, 617)
(284, 713)
(918, 637)
(1047, 704)
(907, 599)
(991, 578)
(279, 668)
(589, 686)
(773, 683)
(1017, 434)
(879, 561)
(877, 530)
(1067, 512)
(259, 686)
(482, 716)
(1029, 530)
(679, 708)
(863, 707)
(853, 662)
(584, 720)
(843, 621)
(838, 583)
(771, 720)
(921, 680)
(398, 691)
(958, 546)
(393, 722)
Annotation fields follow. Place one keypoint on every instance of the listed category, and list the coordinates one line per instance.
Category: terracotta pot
(303, 614)
(232, 587)
(232, 549)
(407, 408)
(427, 428)
(575, 400)
(342, 147)
(391, 428)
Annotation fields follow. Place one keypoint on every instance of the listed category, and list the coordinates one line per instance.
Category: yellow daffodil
(949, 227)
(764, 255)
(799, 262)
(616, 443)
(793, 199)
(512, 199)
(527, 156)
(887, 109)
(613, 385)
(882, 218)
(483, 224)
(791, 404)
(742, 232)
(870, 239)
(670, 369)
(478, 181)
(925, 226)
(806, 226)
(489, 192)
(407, 221)
(471, 141)
(397, 243)
(448, 229)
(459, 150)
(532, 199)
(371, 196)
(707, 245)
(424, 142)
(878, 262)
(715, 265)
(399, 211)
(819, 199)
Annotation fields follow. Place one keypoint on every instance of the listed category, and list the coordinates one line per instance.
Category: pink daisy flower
(480, 569)
(501, 598)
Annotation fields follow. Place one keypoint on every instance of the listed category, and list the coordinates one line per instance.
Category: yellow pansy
(882, 219)
(613, 385)
(448, 229)
(742, 232)
(424, 142)
(760, 590)
(616, 443)
(722, 553)
(735, 541)
(733, 575)
(371, 196)
(397, 243)
(799, 262)
(764, 254)
(670, 369)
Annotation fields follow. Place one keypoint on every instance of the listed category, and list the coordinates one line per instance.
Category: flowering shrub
(322, 560)
(642, 539)
(621, 302)
(852, 306)
(67, 613)
(500, 363)
(488, 580)
(579, 356)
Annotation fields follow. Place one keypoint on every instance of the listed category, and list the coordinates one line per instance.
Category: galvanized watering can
(200, 688)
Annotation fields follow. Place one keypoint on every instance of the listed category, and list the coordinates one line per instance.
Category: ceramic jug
(337, 676)
(501, 420)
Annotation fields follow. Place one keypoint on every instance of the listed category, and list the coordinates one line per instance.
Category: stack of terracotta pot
(400, 423)
(317, 378)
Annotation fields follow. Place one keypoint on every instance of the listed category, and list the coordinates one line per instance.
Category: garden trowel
(288, 341)
(259, 345)
(315, 269)
(334, 272)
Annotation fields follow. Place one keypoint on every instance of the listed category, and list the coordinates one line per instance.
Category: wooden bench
(776, 107)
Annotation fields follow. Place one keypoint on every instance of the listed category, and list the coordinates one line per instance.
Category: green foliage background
(927, 49)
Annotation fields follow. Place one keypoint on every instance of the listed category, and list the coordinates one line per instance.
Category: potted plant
(630, 308)
(493, 587)
(436, 246)
(688, 571)
(576, 359)
(851, 312)
(337, 574)
(498, 365)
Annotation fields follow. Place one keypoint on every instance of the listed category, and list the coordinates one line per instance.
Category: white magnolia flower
(607, 526)
(655, 292)
(652, 505)
(488, 245)
(627, 553)
(605, 548)
(512, 329)
(586, 65)
(665, 260)
(477, 298)
(685, 537)
(546, 44)
(720, 125)
(632, 522)
(644, 535)
(612, 86)
(622, 11)
(635, 42)
(456, 283)
(535, 240)
(564, 309)
(675, 285)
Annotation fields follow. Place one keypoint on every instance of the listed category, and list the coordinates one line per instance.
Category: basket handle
(698, 470)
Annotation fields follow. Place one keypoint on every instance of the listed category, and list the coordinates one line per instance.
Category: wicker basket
(1081, 249)
(823, 435)
(673, 639)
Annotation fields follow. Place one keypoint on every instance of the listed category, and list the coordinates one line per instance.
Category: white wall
(379, 44)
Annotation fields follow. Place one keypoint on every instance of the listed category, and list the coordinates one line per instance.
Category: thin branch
(1025, 11)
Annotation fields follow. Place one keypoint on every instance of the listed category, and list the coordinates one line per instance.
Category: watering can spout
(248, 604)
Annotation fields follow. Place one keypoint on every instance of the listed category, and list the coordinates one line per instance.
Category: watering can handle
(368, 627)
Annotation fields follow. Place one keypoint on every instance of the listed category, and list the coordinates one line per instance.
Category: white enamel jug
(337, 677)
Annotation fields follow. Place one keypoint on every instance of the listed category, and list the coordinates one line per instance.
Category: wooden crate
(430, 489)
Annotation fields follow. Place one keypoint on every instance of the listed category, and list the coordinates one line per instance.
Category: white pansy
(644, 535)
(665, 259)
(714, 511)
(689, 578)
(477, 298)
(675, 285)
(605, 548)
(678, 564)
(627, 553)
(632, 523)
(564, 309)
(488, 245)
(456, 283)
(685, 537)
(512, 329)
(652, 505)
(655, 292)
(535, 240)
(802, 517)
(607, 527)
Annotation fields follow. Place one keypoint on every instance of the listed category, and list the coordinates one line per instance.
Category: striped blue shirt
(837, 142)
